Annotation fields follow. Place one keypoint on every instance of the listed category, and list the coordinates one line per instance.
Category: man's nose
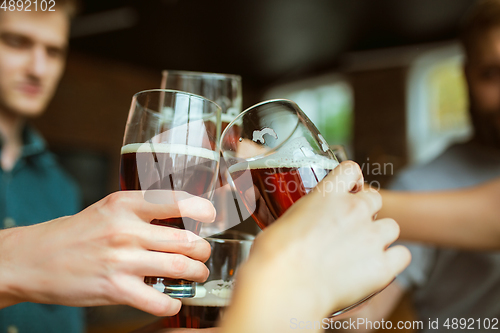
(39, 61)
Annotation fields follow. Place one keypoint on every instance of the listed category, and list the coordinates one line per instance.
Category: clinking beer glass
(226, 91)
(275, 156)
(171, 143)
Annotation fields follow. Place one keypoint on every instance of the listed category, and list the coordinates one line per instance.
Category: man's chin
(28, 110)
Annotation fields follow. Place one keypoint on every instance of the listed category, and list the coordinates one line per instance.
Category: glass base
(352, 306)
(174, 288)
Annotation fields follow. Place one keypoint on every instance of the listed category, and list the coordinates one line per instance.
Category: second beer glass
(275, 155)
(226, 91)
(171, 143)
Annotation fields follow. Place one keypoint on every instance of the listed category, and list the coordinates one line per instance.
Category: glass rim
(250, 237)
(258, 105)
(202, 74)
(173, 91)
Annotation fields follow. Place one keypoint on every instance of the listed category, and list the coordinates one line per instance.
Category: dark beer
(168, 167)
(277, 183)
(198, 312)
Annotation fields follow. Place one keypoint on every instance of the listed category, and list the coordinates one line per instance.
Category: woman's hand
(325, 253)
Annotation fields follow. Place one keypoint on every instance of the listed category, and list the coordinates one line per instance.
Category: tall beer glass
(226, 91)
(229, 250)
(171, 142)
(223, 89)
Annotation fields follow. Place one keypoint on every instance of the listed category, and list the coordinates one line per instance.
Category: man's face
(482, 70)
(32, 57)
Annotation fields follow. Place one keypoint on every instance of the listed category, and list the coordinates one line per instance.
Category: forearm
(467, 218)
(9, 292)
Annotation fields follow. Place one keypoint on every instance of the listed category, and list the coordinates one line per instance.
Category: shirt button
(12, 329)
(9, 222)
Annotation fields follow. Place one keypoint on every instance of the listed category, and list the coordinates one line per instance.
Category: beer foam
(170, 148)
(227, 117)
(295, 154)
(213, 293)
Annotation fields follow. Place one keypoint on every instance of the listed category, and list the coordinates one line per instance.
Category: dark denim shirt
(34, 191)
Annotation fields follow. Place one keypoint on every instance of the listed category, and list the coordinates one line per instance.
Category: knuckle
(117, 200)
(197, 249)
(201, 272)
(361, 206)
(112, 258)
(394, 226)
(166, 308)
(375, 196)
(186, 245)
(351, 167)
(177, 235)
(178, 265)
(112, 288)
(390, 227)
(205, 250)
(117, 238)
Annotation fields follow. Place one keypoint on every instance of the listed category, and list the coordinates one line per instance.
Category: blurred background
(381, 77)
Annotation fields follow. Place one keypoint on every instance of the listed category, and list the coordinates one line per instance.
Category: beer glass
(274, 155)
(226, 91)
(223, 89)
(229, 250)
(171, 143)
(339, 152)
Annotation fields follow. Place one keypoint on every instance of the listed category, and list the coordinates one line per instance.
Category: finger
(189, 330)
(171, 265)
(162, 204)
(173, 240)
(398, 258)
(388, 230)
(343, 179)
(372, 199)
(145, 298)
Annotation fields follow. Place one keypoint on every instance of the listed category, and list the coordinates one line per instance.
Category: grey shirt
(449, 283)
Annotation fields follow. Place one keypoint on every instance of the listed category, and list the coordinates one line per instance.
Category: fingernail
(215, 215)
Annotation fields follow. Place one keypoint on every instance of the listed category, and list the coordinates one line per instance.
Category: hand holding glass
(171, 143)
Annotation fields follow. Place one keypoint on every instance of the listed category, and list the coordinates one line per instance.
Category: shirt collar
(34, 144)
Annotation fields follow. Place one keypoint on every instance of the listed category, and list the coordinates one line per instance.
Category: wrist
(9, 290)
(269, 296)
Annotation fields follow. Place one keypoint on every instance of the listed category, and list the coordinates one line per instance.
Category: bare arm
(468, 218)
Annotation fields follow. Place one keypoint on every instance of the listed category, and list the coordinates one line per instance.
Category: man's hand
(101, 255)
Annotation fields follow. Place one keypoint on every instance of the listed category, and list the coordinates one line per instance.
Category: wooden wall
(90, 108)
(380, 121)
